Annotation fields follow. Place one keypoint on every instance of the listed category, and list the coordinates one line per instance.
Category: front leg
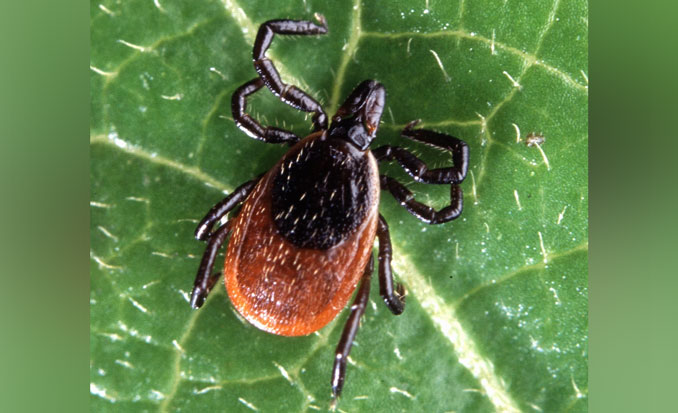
(248, 124)
(289, 94)
(416, 168)
(422, 211)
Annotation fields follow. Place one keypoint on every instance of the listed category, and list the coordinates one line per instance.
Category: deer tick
(302, 239)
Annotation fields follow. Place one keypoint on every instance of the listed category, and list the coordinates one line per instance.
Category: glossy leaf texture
(496, 316)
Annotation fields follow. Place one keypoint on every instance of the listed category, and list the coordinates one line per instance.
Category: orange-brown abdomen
(286, 289)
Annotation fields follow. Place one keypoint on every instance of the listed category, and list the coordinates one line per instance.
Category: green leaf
(496, 316)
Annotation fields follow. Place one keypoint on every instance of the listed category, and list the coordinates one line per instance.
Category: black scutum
(320, 195)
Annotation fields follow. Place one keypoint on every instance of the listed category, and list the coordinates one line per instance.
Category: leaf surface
(496, 316)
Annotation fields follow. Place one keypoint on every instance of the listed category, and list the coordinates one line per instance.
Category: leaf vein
(528, 58)
(133, 150)
(353, 41)
(444, 317)
(526, 268)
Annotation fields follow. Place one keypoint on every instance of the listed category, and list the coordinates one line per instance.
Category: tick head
(357, 120)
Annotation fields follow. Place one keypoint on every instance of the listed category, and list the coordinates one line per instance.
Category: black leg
(419, 210)
(205, 280)
(250, 126)
(289, 94)
(350, 330)
(395, 300)
(417, 168)
(202, 233)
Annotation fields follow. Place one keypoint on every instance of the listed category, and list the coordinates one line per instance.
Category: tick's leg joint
(350, 330)
(250, 126)
(394, 299)
(416, 168)
(202, 232)
(205, 280)
(289, 94)
(422, 211)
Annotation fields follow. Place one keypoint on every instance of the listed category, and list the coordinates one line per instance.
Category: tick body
(302, 240)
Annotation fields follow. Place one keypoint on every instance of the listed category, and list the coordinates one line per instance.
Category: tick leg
(202, 233)
(289, 94)
(422, 211)
(417, 168)
(350, 330)
(395, 300)
(250, 126)
(205, 280)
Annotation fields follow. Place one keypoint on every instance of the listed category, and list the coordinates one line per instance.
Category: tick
(302, 239)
